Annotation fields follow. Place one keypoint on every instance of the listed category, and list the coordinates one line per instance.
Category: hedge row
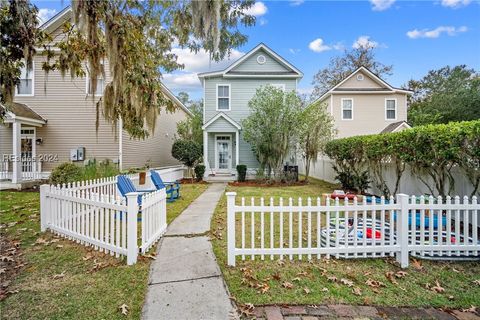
(431, 150)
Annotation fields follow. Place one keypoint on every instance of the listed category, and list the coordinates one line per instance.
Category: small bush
(241, 172)
(199, 172)
(65, 173)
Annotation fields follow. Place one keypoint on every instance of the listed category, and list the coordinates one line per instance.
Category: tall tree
(136, 38)
(342, 66)
(316, 129)
(272, 126)
(184, 98)
(445, 95)
(191, 128)
(19, 36)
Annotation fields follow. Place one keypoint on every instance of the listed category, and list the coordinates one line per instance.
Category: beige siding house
(365, 104)
(53, 118)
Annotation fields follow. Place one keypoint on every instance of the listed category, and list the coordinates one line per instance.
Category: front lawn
(59, 279)
(361, 281)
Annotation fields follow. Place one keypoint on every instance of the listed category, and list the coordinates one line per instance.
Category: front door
(224, 153)
(28, 149)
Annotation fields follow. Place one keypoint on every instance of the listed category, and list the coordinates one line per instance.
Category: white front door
(223, 153)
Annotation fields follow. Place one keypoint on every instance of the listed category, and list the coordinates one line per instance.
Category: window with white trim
(347, 109)
(25, 84)
(391, 109)
(223, 97)
(100, 86)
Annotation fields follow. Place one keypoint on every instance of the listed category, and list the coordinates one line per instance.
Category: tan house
(53, 121)
(364, 104)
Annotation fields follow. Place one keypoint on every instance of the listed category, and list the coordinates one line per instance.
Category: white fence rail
(30, 170)
(419, 226)
(93, 213)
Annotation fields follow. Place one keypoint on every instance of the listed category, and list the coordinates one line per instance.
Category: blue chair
(171, 188)
(125, 185)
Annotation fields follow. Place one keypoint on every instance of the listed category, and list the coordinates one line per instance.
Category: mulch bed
(262, 183)
(190, 181)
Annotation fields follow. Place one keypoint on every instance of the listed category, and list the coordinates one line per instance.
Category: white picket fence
(93, 213)
(418, 226)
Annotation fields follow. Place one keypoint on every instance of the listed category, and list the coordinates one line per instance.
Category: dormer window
(223, 97)
(25, 84)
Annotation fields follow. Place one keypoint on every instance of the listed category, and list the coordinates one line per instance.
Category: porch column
(205, 153)
(237, 143)
(17, 161)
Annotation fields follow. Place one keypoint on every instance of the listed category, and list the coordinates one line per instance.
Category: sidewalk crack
(184, 280)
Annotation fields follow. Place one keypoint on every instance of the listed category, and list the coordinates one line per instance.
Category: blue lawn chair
(171, 188)
(125, 185)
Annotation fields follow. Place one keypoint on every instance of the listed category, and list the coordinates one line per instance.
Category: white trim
(204, 102)
(206, 163)
(229, 149)
(261, 76)
(11, 117)
(341, 107)
(396, 109)
(403, 124)
(33, 83)
(237, 148)
(373, 76)
(120, 144)
(57, 17)
(229, 96)
(331, 105)
(175, 100)
(249, 54)
(33, 137)
(223, 115)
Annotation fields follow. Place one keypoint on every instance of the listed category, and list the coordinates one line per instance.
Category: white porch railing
(406, 226)
(30, 170)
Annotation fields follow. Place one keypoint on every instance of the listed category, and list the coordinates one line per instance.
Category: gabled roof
(57, 20)
(384, 86)
(175, 100)
(224, 116)
(20, 111)
(396, 126)
(293, 71)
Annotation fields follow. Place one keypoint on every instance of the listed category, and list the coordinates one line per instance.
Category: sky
(413, 36)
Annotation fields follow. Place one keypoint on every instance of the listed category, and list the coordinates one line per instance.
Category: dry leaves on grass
(437, 288)
(346, 282)
(417, 264)
(472, 309)
(264, 287)
(400, 274)
(287, 285)
(124, 309)
(152, 256)
(390, 276)
(477, 282)
(357, 291)
(332, 278)
(307, 290)
(374, 283)
(59, 276)
(276, 276)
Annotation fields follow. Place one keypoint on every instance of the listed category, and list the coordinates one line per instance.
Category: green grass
(248, 277)
(85, 292)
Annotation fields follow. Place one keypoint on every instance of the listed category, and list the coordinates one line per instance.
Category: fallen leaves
(287, 285)
(346, 282)
(357, 291)
(374, 283)
(390, 276)
(476, 282)
(264, 287)
(472, 309)
(124, 309)
(332, 278)
(417, 264)
(437, 288)
(307, 290)
(59, 276)
(246, 309)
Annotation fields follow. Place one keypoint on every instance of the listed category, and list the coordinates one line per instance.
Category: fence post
(132, 212)
(44, 208)
(231, 228)
(402, 230)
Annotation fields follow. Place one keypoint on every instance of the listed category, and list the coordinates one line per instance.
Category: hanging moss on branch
(135, 38)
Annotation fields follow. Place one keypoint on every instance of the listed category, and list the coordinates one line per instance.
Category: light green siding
(221, 125)
(251, 64)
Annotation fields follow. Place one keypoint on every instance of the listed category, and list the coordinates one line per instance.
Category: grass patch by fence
(60, 279)
(377, 281)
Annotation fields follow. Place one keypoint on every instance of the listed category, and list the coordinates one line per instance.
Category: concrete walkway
(185, 280)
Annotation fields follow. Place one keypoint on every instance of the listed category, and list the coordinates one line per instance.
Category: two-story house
(226, 96)
(52, 120)
(363, 104)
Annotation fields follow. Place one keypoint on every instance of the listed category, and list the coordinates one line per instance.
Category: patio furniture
(171, 188)
(125, 185)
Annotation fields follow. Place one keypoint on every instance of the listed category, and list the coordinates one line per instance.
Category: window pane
(99, 90)
(347, 114)
(25, 75)
(390, 114)
(223, 103)
(25, 86)
(223, 91)
(391, 104)
(347, 104)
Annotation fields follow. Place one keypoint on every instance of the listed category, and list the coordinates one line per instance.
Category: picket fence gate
(94, 214)
(402, 226)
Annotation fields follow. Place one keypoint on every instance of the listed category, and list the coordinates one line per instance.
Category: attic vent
(261, 59)
(359, 77)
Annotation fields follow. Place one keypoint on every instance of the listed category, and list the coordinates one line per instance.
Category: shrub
(65, 173)
(431, 151)
(199, 172)
(101, 169)
(241, 172)
(187, 152)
